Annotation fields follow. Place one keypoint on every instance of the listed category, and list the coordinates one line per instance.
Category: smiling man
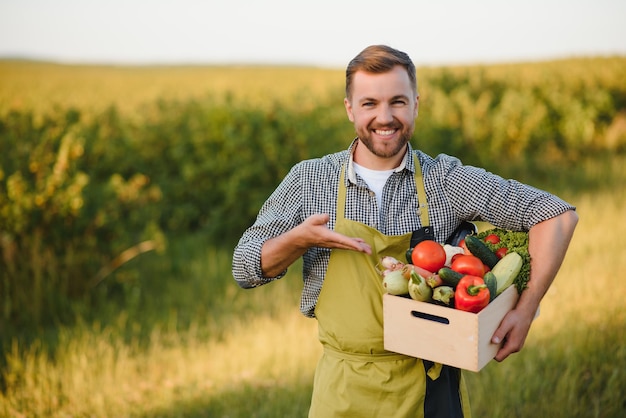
(383, 108)
(342, 212)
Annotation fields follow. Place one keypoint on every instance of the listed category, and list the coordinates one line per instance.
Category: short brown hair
(379, 59)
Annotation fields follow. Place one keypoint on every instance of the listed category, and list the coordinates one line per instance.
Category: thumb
(319, 219)
(497, 337)
(500, 334)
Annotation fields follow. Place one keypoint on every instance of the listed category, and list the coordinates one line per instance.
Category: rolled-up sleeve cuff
(546, 209)
(247, 266)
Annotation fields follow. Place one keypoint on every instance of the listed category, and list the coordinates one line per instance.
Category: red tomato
(429, 255)
(468, 264)
(492, 239)
(501, 252)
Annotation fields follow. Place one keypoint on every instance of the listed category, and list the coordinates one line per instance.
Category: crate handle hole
(430, 317)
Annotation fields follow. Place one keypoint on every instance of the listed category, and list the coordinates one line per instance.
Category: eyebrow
(396, 97)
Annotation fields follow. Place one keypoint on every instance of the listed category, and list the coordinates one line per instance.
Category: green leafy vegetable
(513, 241)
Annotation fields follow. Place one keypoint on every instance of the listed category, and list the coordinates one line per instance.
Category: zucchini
(507, 270)
(443, 295)
(480, 250)
(492, 284)
(449, 276)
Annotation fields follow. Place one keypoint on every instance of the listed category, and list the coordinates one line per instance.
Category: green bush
(61, 227)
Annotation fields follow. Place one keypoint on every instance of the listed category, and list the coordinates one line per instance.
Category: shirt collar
(407, 163)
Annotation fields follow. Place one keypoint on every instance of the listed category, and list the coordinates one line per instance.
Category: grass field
(187, 342)
(93, 88)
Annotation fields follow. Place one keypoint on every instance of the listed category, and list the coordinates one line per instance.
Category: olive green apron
(356, 376)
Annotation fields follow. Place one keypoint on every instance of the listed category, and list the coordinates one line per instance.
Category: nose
(384, 115)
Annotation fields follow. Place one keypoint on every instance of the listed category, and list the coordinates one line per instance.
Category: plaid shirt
(455, 193)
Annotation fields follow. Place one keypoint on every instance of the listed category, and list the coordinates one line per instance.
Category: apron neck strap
(422, 208)
(341, 193)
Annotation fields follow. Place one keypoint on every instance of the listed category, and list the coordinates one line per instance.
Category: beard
(386, 149)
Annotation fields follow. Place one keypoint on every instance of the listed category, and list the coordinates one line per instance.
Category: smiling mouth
(385, 132)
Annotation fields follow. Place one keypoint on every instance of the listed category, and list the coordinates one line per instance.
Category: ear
(348, 106)
(417, 105)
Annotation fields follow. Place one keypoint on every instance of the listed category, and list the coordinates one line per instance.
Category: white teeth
(389, 132)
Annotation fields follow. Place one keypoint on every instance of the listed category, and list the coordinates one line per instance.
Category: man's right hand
(316, 233)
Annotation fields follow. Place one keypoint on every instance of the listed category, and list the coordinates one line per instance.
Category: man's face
(383, 108)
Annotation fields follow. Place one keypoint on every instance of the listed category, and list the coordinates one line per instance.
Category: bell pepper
(471, 294)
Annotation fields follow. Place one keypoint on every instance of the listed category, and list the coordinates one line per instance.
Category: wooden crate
(442, 334)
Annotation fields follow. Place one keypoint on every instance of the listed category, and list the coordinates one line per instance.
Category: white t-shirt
(375, 179)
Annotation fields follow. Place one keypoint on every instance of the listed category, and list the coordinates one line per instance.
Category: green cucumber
(480, 250)
(449, 276)
(409, 255)
(492, 285)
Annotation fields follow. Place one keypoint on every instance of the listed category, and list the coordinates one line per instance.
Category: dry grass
(94, 373)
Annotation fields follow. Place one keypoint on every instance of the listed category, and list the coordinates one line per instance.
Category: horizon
(243, 64)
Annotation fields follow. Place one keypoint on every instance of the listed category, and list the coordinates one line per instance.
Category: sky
(326, 33)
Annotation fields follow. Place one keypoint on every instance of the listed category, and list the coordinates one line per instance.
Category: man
(343, 211)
